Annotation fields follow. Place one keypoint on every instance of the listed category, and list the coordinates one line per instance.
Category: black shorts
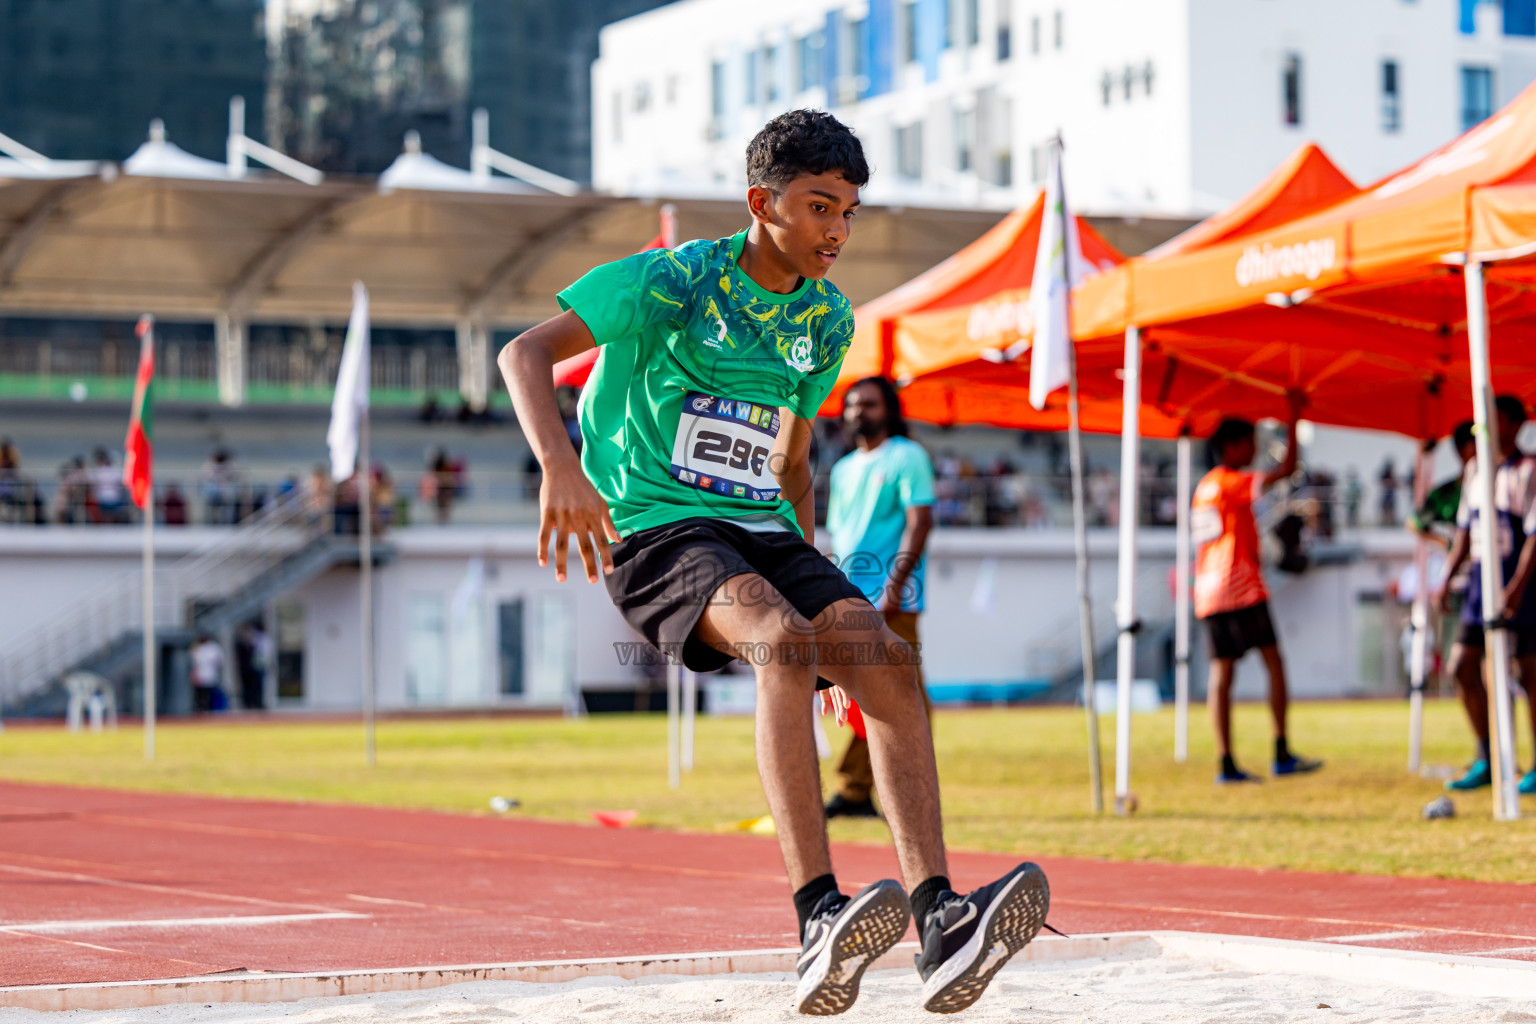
(1234, 634)
(663, 578)
(1524, 638)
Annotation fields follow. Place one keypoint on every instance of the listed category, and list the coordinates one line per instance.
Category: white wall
(1021, 625)
(1208, 132)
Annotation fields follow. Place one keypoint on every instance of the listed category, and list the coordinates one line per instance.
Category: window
(1058, 31)
(1128, 81)
(1290, 88)
(965, 139)
(290, 649)
(1004, 171)
(771, 72)
(972, 22)
(1520, 17)
(946, 25)
(1004, 30)
(749, 78)
(858, 42)
(1039, 163)
(717, 89)
(1468, 19)
(1107, 87)
(1147, 76)
(1476, 95)
(811, 58)
(642, 97)
(909, 152)
(909, 32)
(1391, 109)
(509, 648)
(1034, 35)
(618, 117)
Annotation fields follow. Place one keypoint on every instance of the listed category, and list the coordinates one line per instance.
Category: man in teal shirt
(696, 425)
(879, 515)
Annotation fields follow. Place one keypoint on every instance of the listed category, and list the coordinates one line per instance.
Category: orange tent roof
(1002, 261)
(1361, 303)
(941, 350)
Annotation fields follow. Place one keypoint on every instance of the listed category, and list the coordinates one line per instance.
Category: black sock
(809, 895)
(1482, 750)
(1228, 766)
(1282, 751)
(926, 896)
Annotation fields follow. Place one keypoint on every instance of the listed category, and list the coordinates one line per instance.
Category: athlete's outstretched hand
(569, 504)
(837, 698)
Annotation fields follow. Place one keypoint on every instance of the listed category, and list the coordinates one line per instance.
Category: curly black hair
(804, 142)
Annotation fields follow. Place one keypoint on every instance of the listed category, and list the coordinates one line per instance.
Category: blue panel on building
(932, 17)
(831, 46)
(1520, 17)
(1468, 24)
(880, 58)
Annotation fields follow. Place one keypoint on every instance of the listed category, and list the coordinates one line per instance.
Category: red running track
(107, 886)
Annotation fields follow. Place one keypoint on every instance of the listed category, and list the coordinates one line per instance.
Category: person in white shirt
(207, 671)
(1514, 503)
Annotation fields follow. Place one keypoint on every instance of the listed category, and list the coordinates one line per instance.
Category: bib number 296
(722, 446)
(737, 453)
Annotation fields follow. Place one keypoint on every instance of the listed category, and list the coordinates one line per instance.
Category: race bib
(722, 446)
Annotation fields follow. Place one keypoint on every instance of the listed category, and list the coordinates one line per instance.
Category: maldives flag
(138, 458)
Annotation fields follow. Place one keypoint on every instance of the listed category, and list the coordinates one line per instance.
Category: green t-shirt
(696, 359)
(1439, 508)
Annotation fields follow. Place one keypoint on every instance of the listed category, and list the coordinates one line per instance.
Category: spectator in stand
(381, 495)
(1388, 481)
(207, 672)
(1354, 491)
(318, 491)
(69, 501)
(107, 489)
(173, 505)
(439, 485)
(219, 490)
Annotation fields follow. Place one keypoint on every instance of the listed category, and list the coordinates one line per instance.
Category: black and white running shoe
(842, 938)
(967, 939)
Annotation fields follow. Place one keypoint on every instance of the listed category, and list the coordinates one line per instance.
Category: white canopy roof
(417, 170)
(160, 158)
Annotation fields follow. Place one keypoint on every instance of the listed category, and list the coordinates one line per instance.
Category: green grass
(1014, 781)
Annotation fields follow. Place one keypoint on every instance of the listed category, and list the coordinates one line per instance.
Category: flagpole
(151, 685)
(365, 511)
(1080, 537)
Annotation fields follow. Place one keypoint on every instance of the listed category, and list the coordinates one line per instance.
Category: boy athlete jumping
(697, 429)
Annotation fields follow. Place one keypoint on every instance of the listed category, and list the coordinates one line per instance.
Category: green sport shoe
(1477, 777)
(1528, 783)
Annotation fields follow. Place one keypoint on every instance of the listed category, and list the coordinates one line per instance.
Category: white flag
(1059, 264)
(351, 397)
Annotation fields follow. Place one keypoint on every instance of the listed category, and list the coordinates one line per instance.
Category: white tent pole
(1418, 657)
(1181, 621)
(1125, 604)
(690, 700)
(1084, 592)
(1506, 806)
(480, 142)
(674, 683)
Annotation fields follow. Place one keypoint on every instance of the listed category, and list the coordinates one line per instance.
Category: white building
(1167, 107)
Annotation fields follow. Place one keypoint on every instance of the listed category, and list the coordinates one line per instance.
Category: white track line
(1373, 937)
(56, 927)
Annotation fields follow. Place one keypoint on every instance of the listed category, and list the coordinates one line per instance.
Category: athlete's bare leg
(1467, 669)
(896, 721)
(1279, 695)
(747, 609)
(1219, 700)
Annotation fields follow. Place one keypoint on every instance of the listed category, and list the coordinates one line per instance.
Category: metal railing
(90, 627)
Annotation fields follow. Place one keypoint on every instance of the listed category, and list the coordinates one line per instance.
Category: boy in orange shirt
(1230, 595)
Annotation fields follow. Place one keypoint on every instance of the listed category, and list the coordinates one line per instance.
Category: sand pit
(1168, 979)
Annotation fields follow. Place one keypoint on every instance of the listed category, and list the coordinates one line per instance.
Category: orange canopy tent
(934, 321)
(1362, 304)
(1390, 309)
(945, 335)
